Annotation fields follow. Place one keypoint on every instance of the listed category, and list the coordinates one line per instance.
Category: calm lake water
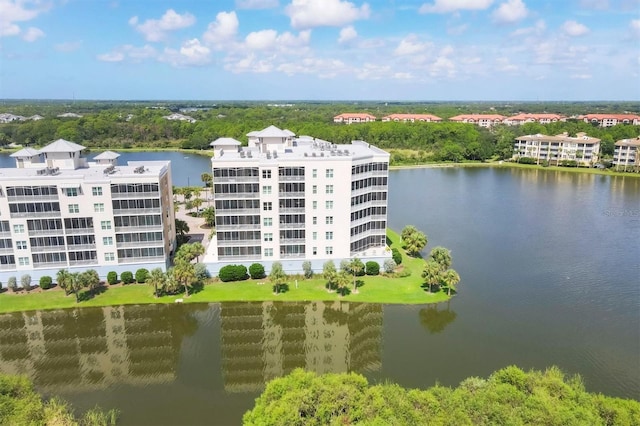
(550, 276)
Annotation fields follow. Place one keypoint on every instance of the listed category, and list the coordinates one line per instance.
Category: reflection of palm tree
(434, 320)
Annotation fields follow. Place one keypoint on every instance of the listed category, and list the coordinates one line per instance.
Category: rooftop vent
(49, 171)
(139, 169)
(109, 170)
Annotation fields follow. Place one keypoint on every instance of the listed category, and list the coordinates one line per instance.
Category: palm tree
(63, 277)
(157, 279)
(450, 278)
(442, 257)
(342, 280)
(356, 266)
(277, 276)
(431, 273)
(329, 274)
(184, 273)
(413, 240)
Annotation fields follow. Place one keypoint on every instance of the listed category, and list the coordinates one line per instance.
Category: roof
(527, 116)
(476, 117)
(225, 142)
(253, 133)
(581, 138)
(26, 152)
(62, 145)
(413, 116)
(629, 142)
(355, 115)
(107, 155)
(289, 132)
(272, 132)
(609, 116)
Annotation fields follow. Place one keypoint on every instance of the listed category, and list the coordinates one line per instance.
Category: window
(98, 207)
(107, 241)
(71, 192)
(315, 220)
(266, 174)
(105, 224)
(315, 173)
(315, 189)
(74, 208)
(267, 221)
(268, 236)
(328, 235)
(328, 220)
(18, 229)
(328, 250)
(23, 261)
(268, 252)
(328, 205)
(329, 173)
(267, 206)
(96, 190)
(21, 245)
(315, 235)
(329, 189)
(315, 205)
(109, 257)
(266, 189)
(315, 250)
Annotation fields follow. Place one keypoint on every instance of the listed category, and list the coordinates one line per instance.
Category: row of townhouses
(488, 120)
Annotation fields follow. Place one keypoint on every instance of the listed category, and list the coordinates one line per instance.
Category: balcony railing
(243, 179)
(48, 249)
(79, 231)
(237, 212)
(291, 255)
(236, 195)
(134, 195)
(283, 194)
(83, 262)
(6, 266)
(136, 244)
(32, 198)
(289, 210)
(291, 178)
(58, 232)
(292, 225)
(32, 215)
(50, 264)
(152, 210)
(81, 247)
(239, 257)
(6, 250)
(220, 227)
(140, 259)
(239, 243)
(136, 228)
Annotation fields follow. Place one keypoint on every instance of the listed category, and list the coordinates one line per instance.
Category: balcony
(78, 231)
(142, 259)
(136, 228)
(62, 263)
(6, 266)
(48, 249)
(239, 258)
(58, 232)
(290, 178)
(152, 210)
(32, 198)
(292, 225)
(283, 194)
(33, 215)
(81, 247)
(139, 244)
(290, 210)
(238, 243)
(134, 195)
(83, 262)
(291, 255)
(237, 226)
(236, 195)
(237, 179)
(238, 212)
(6, 250)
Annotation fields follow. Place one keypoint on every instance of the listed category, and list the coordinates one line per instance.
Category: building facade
(290, 199)
(351, 117)
(555, 149)
(412, 118)
(626, 154)
(519, 119)
(60, 211)
(608, 120)
(482, 120)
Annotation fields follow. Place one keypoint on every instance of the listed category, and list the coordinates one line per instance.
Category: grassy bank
(377, 289)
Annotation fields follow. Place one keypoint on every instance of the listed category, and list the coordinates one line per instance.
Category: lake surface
(550, 276)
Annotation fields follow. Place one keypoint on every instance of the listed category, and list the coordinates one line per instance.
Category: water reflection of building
(261, 341)
(90, 349)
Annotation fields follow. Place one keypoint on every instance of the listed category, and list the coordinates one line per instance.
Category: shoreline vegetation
(405, 286)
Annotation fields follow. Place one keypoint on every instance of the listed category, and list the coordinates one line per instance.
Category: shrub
(396, 256)
(389, 266)
(45, 282)
(256, 271)
(306, 267)
(112, 277)
(373, 268)
(233, 273)
(202, 273)
(527, 160)
(0, 287)
(12, 284)
(25, 281)
(126, 277)
(141, 275)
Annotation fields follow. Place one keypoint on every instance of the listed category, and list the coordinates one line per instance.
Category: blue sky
(320, 49)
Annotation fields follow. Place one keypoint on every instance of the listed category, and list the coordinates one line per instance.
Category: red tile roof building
(534, 118)
(412, 118)
(349, 117)
(583, 149)
(626, 155)
(482, 120)
(608, 120)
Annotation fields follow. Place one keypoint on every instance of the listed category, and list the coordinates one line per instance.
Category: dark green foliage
(396, 256)
(45, 282)
(12, 284)
(126, 277)
(112, 277)
(256, 271)
(141, 275)
(306, 268)
(526, 160)
(509, 396)
(569, 163)
(233, 273)
(373, 268)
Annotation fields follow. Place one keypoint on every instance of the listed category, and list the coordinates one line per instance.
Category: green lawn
(377, 289)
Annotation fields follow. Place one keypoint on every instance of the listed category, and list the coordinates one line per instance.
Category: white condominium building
(290, 199)
(626, 155)
(555, 149)
(59, 211)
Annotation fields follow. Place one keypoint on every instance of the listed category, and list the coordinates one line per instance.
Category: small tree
(126, 277)
(63, 278)
(277, 276)
(184, 273)
(45, 282)
(396, 256)
(12, 284)
(256, 271)
(389, 266)
(306, 267)
(112, 277)
(431, 274)
(329, 273)
(356, 267)
(202, 273)
(209, 215)
(413, 240)
(442, 257)
(0, 287)
(372, 268)
(91, 279)
(157, 279)
(141, 275)
(25, 282)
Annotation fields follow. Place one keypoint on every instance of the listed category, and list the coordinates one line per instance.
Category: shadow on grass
(196, 288)
(389, 242)
(280, 288)
(344, 291)
(90, 294)
(359, 283)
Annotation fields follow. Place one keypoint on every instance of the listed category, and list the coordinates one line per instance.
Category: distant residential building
(412, 118)
(482, 120)
(35, 117)
(222, 144)
(8, 118)
(608, 120)
(520, 119)
(626, 154)
(179, 117)
(353, 117)
(555, 149)
(69, 115)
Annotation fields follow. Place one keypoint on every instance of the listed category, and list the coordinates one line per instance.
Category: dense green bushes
(233, 273)
(508, 397)
(141, 275)
(45, 282)
(396, 256)
(372, 268)
(256, 271)
(112, 277)
(126, 277)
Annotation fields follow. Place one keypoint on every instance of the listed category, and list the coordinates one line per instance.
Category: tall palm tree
(157, 279)
(356, 266)
(450, 278)
(342, 280)
(431, 273)
(63, 278)
(442, 257)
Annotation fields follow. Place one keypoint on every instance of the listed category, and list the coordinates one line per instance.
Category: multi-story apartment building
(353, 117)
(555, 149)
(520, 119)
(58, 210)
(482, 120)
(412, 118)
(290, 199)
(608, 120)
(626, 155)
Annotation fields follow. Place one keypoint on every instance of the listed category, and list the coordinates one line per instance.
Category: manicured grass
(378, 289)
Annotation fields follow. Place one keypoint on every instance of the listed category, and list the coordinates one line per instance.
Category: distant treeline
(140, 125)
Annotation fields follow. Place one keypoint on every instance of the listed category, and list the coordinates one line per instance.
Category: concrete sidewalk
(197, 234)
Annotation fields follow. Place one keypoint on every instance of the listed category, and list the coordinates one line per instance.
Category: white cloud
(457, 30)
(111, 57)
(443, 66)
(324, 13)
(8, 29)
(347, 34)
(32, 34)
(127, 51)
(411, 45)
(503, 64)
(256, 4)
(222, 30)
(13, 11)
(261, 40)
(446, 6)
(270, 40)
(68, 46)
(191, 53)
(510, 11)
(374, 72)
(538, 28)
(249, 63)
(580, 76)
(634, 26)
(403, 76)
(574, 29)
(156, 29)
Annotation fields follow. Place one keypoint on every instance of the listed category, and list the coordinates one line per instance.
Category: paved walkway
(197, 234)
